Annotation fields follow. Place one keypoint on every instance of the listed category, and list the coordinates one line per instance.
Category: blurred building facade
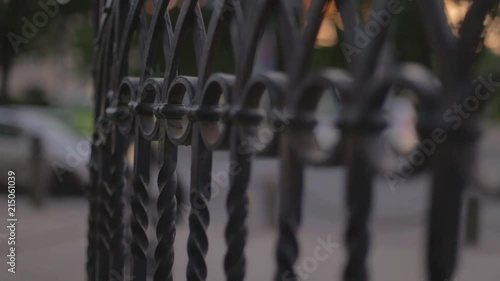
(57, 75)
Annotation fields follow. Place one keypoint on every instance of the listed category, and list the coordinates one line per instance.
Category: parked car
(46, 155)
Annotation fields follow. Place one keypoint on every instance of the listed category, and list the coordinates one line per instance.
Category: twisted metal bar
(139, 202)
(237, 207)
(92, 239)
(104, 59)
(104, 216)
(358, 198)
(118, 184)
(451, 174)
(291, 180)
(199, 215)
(167, 207)
(92, 219)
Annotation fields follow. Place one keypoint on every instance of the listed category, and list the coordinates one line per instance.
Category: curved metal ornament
(224, 111)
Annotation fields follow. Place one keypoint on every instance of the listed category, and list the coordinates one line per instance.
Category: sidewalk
(52, 245)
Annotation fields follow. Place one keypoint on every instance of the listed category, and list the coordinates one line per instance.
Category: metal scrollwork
(213, 110)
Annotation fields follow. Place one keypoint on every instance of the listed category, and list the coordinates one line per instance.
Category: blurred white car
(44, 153)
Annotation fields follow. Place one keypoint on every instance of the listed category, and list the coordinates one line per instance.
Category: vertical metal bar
(472, 220)
(121, 145)
(199, 215)
(167, 208)
(92, 219)
(95, 161)
(358, 198)
(96, 8)
(237, 207)
(451, 173)
(290, 210)
(103, 192)
(104, 216)
(139, 203)
(118, 184)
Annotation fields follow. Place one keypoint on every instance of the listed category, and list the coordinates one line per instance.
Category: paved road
(52, 246)
(51, 241)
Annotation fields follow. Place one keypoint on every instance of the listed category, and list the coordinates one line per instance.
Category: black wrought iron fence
(224, 111)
